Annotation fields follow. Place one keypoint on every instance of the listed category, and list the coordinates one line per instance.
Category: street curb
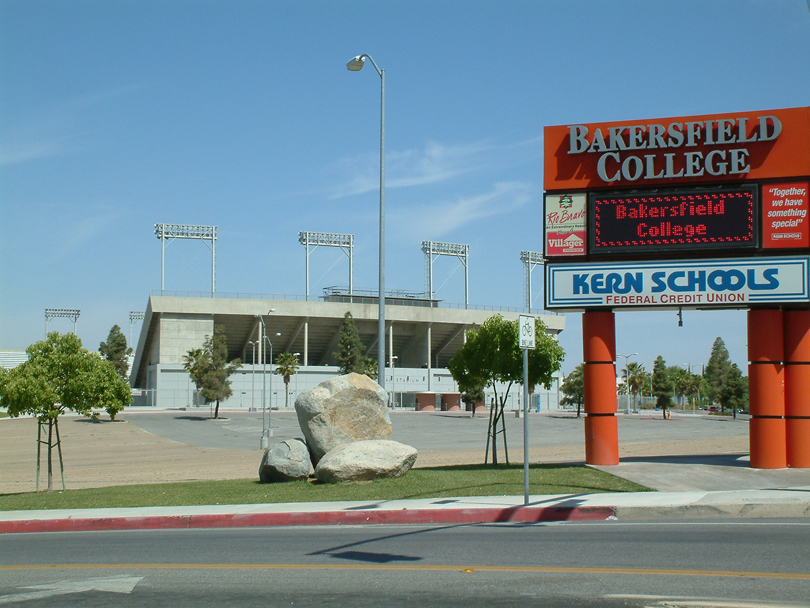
(322, 518)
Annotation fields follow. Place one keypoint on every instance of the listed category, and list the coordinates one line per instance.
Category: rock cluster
(346, 426)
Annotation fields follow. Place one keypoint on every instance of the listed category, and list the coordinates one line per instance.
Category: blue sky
(116, 115)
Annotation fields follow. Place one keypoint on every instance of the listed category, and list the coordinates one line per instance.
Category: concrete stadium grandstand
(421, 337)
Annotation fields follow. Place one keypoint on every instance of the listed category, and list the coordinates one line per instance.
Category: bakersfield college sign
(677, 191)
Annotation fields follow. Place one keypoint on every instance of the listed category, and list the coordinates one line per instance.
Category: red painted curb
(329, 518)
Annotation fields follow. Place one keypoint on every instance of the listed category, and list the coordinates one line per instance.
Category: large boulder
(364, 460)
(342, 410)
(285, 461)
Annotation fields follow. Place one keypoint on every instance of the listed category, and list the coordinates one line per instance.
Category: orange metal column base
(767, 443)
(601, 440)
(797, 388)
(766, 352)
(797, 434)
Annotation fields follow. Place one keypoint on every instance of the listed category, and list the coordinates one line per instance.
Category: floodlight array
(329, 239)
(445, 248)
(185, 231)
(68, 313)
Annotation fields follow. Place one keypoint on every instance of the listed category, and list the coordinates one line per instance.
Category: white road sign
(526, 331)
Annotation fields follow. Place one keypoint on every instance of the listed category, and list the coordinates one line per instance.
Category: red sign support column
(797, 387)
(599, 354)
(766, 388)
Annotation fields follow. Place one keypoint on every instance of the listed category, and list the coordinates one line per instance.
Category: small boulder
(342, 410)
(364, 460)
(285, 461)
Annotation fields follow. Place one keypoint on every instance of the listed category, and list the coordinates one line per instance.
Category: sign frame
(680, 284)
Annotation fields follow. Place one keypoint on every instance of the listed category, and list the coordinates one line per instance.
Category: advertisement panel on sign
(686, 283)
(565, 224)
(669, 221)
(784, 215)
(769, 144)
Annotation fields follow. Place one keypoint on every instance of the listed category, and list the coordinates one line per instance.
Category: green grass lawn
(440, 482)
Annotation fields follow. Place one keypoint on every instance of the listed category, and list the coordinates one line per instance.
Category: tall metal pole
(381, 320)
(265, 441)
(355, 65)
(525, 426)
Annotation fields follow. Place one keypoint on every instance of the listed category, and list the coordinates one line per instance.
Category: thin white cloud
(85, 230)
(436, 220)
(51, 131)
(434, 163)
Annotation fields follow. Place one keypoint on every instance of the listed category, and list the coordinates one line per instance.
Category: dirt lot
(105, 453)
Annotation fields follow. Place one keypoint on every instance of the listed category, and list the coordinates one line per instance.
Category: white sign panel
(690, 284)
(526, 331)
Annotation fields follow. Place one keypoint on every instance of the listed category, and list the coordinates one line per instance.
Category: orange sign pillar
(599, 355)
(766, 387)
(797, 387)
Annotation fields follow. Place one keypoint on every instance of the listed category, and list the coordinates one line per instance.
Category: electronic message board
(723, 218)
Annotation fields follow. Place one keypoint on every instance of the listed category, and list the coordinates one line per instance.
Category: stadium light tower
(355, 65)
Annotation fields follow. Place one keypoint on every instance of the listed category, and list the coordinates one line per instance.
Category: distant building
(10, 359)
(421, 337)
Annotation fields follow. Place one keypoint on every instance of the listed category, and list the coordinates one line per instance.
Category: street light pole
(355, 65)
(627, 377)
(267, 430)
(253, 377)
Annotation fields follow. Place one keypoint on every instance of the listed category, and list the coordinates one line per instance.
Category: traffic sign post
(526, 341)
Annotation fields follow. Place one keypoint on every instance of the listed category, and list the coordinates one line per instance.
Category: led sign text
(615, 164)
(660, 222)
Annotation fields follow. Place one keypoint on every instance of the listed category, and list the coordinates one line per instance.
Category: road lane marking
(115, 584)
(419, 567)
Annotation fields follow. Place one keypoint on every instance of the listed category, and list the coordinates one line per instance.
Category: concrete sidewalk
(639, 506)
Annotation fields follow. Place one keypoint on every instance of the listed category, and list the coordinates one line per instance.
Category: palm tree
(635, 377)
(287, 365)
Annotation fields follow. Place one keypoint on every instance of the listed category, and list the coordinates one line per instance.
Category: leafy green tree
(287, 365)
(472, 395)
(717, 370)
(60, 375)
(492, 354)
(573, 387)
(369, 368)
(735, 390)
(210, 370)
(115, 350)
(661, 385)
(350, 348)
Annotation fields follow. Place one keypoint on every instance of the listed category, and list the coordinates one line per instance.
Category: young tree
(661, 385)
(61, 375)
(573, 387)
(492, 354)
(735, 391)
(717, 369)
(115, 351)
(350, 348)
(209, 368)
(287, 366)
(472, 395)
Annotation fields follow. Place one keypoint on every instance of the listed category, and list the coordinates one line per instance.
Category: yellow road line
(416, 567)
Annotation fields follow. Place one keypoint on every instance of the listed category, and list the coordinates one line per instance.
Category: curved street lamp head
(356, 63)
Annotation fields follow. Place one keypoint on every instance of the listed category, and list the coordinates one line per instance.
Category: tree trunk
(216, 410)
(50, 454)
(579, 406)
(286, 391)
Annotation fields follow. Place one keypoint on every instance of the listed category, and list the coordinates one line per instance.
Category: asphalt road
(759, 563)
(433, 431)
